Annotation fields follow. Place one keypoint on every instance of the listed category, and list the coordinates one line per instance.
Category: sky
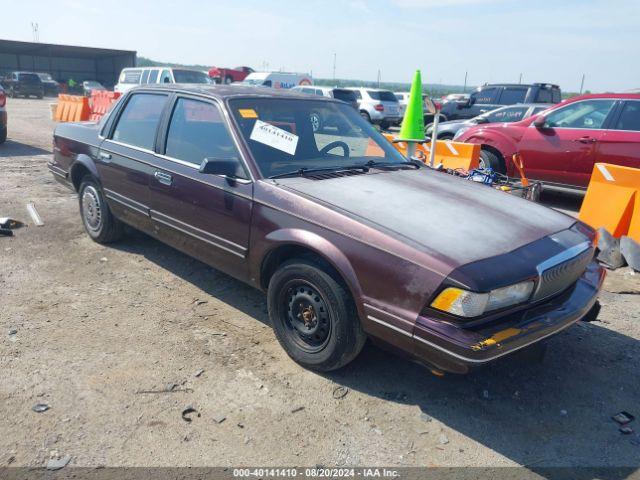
(492, 40)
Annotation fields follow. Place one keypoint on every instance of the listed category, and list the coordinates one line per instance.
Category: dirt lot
(97, 326)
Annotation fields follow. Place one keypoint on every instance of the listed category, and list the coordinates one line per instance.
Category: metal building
(65, 61)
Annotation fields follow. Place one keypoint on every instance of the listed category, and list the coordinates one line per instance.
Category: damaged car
(348, 239)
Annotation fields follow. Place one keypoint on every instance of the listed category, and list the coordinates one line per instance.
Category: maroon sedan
(561, 145)
(348, 239)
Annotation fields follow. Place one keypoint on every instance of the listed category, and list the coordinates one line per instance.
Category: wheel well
(284, 253)
(77, 174)
(497, 153)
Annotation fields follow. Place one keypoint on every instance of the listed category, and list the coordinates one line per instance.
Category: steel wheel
(91, 209)
(306, 316)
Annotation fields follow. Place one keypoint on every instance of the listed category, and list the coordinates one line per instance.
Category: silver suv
(378, 106)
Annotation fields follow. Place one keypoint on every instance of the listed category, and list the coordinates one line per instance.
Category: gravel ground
(88, 329)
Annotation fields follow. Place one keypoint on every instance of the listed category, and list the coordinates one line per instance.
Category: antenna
(334, 67)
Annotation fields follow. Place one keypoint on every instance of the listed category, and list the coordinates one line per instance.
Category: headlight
(464, 303)
(460, 132)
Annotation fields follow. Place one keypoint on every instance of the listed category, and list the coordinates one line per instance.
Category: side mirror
(540, 121)
(480, 120)
(217, 166)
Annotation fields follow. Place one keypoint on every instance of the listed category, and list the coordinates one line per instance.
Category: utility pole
(464, 90)
(35, 32)
(520, 80)
(334, 67)
(582, 84)
(378, 78)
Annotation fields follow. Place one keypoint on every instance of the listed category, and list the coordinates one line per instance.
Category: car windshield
(90, 84)
(253, 81)
(382, 96)
(344, 95)
(45, 77)
(190, 76)
(287, 135)
(29, 78)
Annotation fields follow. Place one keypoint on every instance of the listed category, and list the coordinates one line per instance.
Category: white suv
(378, 106)
(132, 77)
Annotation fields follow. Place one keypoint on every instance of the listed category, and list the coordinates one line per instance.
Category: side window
(545, 96)
(629, 117)
(488, 95)
(358, 94)
(165, 77)
(537, 110)
(153, 76)
(512, 95)
(319, 92)
(139, 120)
(267, 83)
(197, 131)
(588, 114)
(145, 76)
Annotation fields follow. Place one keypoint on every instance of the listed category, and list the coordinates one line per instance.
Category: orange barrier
(101, 101)
(452, 155)
(613, 200)
(72, 108)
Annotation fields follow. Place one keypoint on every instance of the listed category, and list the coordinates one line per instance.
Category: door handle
(105, 156)
(586, 140)
(163, 177)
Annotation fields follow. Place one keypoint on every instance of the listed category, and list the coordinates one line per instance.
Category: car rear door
(125, 157)
(207, 216)
(620, 144)
(565, 148)
(480, 102)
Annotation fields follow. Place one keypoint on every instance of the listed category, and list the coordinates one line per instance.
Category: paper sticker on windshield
(274, 137)
(247, 113)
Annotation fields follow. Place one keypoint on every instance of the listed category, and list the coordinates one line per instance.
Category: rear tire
(228, 80)
(3, 135)
(97, 219)
(489, 159)
(384, 125)
(12, 93)
(366, 116)
(313, 316)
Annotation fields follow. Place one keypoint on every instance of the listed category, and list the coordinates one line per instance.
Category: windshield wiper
(408, 163)
(301, 172)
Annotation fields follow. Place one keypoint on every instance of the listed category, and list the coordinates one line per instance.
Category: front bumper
(459, 350)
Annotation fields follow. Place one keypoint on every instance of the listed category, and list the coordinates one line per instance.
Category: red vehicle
(229, 75)
(561, 145)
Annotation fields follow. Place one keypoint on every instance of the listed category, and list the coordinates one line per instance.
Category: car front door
(561, 150)
(125, 157)
(207, 216)
(620, 145)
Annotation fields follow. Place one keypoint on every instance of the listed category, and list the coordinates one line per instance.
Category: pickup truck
(492, 96)
(229, 75)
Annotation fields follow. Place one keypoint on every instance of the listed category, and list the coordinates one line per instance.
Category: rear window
(548, 95)
(190, 76)
(130, 76)
(344, 95)
(383, 96)
(28, 78)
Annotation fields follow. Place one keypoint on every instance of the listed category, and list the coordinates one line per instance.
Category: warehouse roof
(46, 49)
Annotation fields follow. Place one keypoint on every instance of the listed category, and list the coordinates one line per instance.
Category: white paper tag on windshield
(274, 137)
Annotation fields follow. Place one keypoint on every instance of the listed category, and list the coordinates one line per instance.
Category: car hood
(452, 219)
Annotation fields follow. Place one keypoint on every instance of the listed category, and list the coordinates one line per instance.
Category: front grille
(560, 277)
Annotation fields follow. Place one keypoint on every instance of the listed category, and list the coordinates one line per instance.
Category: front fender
(318, 244)
(496, 140)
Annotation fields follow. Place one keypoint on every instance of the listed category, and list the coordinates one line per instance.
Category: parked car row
(561, 145)
(39, 85)
(239, 178)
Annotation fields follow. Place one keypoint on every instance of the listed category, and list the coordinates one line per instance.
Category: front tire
(97, 219)
(228, 80)
(489, 159)
(313, 316)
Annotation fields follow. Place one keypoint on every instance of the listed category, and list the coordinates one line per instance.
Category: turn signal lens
(471, 304)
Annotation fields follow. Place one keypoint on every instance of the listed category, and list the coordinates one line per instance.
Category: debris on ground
(186, 413)
(426, 417)
(625, 282)
(6, 232)
(198, 372)
(35, 216)
(13, 332)
(626, 430)
(219, 418)
(197, 302)
(298, 409)
(623, 418)
(104, 259)
(609, 250)
(630, 251)
(58, 463)
(170, 388)
(40, 407)
(444, 439)
(340, 392)
(10, 223)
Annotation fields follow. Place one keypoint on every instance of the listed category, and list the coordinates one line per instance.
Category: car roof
(622, 96)
(223, 92)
